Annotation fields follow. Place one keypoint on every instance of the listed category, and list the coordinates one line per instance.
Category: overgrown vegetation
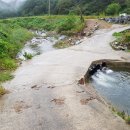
(62, 24)
(12, 39)
(123, 38)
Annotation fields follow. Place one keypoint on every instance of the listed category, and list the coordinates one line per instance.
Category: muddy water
(115, 87)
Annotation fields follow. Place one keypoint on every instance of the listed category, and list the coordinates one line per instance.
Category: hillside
(87, 7)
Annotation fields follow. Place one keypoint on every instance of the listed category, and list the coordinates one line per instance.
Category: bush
(27, 56)
(70, 25)
(113, 9)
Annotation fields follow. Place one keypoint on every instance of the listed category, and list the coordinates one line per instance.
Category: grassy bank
(14, 34)
(123, 39)
(68, 25)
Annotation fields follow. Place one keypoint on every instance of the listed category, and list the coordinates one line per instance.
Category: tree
(113, 9)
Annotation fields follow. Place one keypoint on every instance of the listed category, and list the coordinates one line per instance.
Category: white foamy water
(115, 87)
(39, 45)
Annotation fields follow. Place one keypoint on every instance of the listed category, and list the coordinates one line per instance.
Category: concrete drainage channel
(111, 80)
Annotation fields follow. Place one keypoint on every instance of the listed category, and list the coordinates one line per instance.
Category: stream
(39, 44)
(115, 87)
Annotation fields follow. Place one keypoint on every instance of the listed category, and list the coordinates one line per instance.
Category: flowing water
(115, 87)
(39, 44)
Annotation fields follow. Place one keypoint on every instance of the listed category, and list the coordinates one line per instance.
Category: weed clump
(28, 56)
(2, 91)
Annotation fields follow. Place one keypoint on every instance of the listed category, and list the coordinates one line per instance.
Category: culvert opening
(112, 80)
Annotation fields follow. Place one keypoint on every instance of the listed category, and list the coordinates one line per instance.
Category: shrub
(113, 9)
(27, 56)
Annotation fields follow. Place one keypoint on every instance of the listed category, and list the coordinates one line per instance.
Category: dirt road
(44, 94)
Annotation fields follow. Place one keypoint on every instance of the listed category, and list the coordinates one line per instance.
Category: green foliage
(27, 56)
(117, 34)
(127, 37)
(7, 64)
(86, 7)
(121, 114)
(123, 37)
(6, 75)
(14, 34)
(62, 24)
(128, 120)
(70, 25)
(113, 9)
(61, 44)
(12, 39)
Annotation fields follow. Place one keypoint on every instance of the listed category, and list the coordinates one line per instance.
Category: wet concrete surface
(52, 77)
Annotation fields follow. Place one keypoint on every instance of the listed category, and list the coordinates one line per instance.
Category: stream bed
(114, 86)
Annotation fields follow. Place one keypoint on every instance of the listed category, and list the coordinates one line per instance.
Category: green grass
(5, 75)
(62, 24)
(123, 38)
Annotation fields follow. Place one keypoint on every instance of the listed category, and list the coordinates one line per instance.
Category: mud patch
(59, 101)
(85, 101)
(19, 106)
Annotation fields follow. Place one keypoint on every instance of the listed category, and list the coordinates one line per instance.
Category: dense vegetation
(87, 7)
